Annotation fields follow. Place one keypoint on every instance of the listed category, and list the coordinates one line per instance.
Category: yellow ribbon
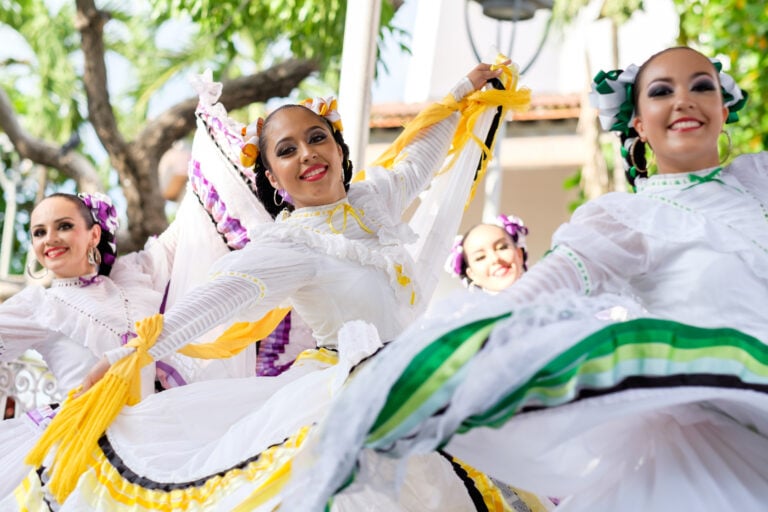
(77, 427)
(347, 209)
(513, 98)
(235, 339)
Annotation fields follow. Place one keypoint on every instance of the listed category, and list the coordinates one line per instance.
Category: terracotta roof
(543, 107)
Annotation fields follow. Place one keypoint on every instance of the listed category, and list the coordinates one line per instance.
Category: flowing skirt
(230, 445)
(561, 399)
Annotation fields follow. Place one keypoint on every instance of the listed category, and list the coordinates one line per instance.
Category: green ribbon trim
(699, 180)
(639, 340)
(429, 371)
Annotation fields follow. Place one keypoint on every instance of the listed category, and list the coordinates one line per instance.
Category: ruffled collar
(79, 282)
(679, 181)
(337, 218)
(309, 211)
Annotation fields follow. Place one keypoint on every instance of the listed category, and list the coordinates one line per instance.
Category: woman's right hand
(483, 72)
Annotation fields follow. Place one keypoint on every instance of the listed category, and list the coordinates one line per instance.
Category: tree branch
(179, 120)
(90, 23)
(70, 163)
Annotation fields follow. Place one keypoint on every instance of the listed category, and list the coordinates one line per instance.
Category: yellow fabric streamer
(513, 98)
(235, 339)
(77, 427)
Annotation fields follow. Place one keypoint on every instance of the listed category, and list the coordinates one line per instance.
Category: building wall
(536, 157)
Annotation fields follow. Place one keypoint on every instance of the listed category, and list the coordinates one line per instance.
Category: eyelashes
(663, 89)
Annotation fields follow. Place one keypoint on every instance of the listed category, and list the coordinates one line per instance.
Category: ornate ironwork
(26, 383)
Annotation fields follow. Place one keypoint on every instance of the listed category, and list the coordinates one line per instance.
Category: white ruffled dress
(357, 275)
(72, 324)
(665, 408)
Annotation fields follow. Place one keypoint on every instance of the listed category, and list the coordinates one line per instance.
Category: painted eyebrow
(55, 221)
(503, 239)
(306, 132)
(669, 79)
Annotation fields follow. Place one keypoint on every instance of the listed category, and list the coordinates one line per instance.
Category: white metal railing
(28, 382)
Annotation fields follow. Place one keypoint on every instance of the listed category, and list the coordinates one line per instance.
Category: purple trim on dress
(126, 337)
(41, 416)
(271, 348)
(235, 235)
(88, 281)
(168, 375)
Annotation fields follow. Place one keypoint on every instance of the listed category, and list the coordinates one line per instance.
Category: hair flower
(327, 108)
(455, 262)
(250, 150)
(515, 227)
(102, 210)
(611, 95)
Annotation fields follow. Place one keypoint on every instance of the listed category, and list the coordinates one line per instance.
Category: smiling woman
(65, 236)
(664, 410)
(338, 253)
(490, 256)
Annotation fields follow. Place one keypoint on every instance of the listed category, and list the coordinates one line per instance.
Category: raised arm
(418, 162)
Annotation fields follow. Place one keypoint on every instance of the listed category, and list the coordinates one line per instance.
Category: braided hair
(264, 189)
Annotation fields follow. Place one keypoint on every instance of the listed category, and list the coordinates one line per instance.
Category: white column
(6, 245)
(358, 61)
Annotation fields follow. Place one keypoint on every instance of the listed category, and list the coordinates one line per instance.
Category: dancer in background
(490, 256)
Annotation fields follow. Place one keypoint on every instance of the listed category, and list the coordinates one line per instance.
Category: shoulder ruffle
(391, 230)
(392, 259)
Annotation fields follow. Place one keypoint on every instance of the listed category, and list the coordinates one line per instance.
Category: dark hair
(264, 189)
(464, 264)
(634, 148)
(107, 240)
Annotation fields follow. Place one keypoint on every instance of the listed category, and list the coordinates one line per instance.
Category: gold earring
(729, 148)
(94, 257)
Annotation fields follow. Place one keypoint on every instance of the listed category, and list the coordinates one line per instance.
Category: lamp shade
(513, 10)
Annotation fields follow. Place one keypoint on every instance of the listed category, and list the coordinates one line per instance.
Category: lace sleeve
(593, 253)
(257, 278)
(19, 331)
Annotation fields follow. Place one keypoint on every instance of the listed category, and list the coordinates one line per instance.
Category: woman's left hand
(94, 375)
(481, 73)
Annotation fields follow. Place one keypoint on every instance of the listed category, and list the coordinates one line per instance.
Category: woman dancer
(90, 307)
(490, 256)
(336, 253)
(666, 411)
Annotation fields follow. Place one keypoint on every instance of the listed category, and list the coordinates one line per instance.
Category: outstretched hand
(94, 375)
(483, 72)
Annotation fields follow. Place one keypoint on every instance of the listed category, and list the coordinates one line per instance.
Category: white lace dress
(72, 324)
(661, 409)
(357, 275)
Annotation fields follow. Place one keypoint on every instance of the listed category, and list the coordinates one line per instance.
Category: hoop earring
(730, 147)
(274, 199)
(632, 156)
(31, 272)
(94, 257)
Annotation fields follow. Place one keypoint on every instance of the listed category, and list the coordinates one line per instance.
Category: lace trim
(578, 263)
(230, 228)
(246, 277)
